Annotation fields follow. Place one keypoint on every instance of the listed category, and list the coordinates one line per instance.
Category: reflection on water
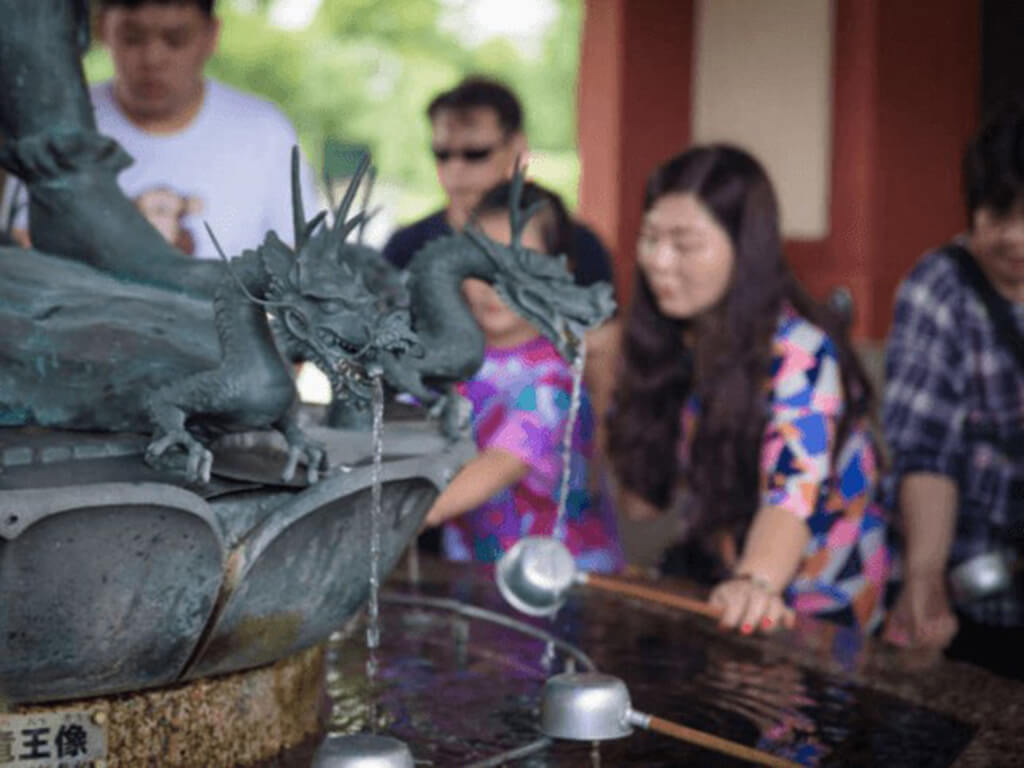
(459, 691)
(773, 698)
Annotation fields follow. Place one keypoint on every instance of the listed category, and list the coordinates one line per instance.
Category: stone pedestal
(271, 716)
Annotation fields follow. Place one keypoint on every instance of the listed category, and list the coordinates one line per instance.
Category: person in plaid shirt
(954, 413)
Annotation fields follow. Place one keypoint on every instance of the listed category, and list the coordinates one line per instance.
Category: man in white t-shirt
(203, 151)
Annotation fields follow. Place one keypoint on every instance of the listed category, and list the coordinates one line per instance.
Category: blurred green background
(361, 72)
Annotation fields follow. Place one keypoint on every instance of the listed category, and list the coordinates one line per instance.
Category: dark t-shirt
(592, 261)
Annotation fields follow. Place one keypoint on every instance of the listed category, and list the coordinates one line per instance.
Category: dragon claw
(199, 460)
(455, 413)
(316, 460)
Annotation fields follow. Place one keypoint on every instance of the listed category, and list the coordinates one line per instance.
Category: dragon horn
(328, 187)
(519, 218)
(359, 221)
(367, 217)
(350, 193)
(481, 241)
(353, 223)
(515, 195)
(231, 271)
(312, 224)
(530, 212)
(367, 191)
(298, 214)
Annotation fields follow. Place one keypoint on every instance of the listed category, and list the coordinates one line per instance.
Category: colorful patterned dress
(521, 398)
(845, 566)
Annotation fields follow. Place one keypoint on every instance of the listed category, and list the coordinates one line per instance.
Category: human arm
(796, 459)
(771, 554)
(922, 615)
(923, 416)
(489, 473)
(518, 427)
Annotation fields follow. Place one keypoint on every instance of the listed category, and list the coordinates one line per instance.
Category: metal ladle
(590, 706)
(536, 573)
(362, 750)
(983, 576)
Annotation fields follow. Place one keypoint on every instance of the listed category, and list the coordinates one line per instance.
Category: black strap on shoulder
(998, 307)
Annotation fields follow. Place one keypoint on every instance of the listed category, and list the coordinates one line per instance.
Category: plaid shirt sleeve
(925, 404)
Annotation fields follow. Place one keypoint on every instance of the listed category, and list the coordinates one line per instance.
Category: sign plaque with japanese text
(68, 738)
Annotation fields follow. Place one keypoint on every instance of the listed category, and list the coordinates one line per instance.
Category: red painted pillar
(634, 111)
(929, 98)
(906, 99)
(600, 118)
(851, 244)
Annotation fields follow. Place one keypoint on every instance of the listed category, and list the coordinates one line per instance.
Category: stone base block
(271, 716)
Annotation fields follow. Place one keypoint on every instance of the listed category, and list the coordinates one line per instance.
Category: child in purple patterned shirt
(521, 399)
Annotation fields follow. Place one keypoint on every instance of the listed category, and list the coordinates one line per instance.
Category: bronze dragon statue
(538, 286)
(318, 293)
(105, 327)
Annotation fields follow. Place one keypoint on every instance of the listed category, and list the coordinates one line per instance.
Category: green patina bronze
(107, 327)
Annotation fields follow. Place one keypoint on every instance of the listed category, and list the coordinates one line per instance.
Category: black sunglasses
(470, 155)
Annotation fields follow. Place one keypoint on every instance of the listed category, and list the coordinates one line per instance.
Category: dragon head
(539, 286)
(337, 304)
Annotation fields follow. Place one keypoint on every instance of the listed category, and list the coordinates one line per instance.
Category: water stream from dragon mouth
(559, 531)
(373, 607)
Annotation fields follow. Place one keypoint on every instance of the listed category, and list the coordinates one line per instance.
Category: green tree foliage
(364, 71)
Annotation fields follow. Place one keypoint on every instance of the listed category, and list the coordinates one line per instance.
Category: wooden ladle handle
(717, 743)
(654, 595)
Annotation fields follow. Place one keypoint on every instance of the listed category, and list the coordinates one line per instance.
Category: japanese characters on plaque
(72, 738)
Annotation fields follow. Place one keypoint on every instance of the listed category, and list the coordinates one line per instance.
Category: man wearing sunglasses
(477, 134)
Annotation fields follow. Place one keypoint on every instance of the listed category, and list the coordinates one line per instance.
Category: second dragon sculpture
(107, 328)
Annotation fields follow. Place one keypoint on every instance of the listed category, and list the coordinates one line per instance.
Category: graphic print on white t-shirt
(233, 160)
(230, 167)
(166, 209)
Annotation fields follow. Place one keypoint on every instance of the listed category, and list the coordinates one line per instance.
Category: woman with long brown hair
(740, 390)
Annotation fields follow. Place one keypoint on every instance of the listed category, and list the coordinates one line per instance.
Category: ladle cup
(983, 576)
(536, 573)
(590, 706)
(362, 750)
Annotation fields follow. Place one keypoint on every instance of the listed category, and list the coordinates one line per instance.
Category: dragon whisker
(231, 271)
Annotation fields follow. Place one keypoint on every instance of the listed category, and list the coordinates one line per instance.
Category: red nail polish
(766, 623)
(746, 629)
